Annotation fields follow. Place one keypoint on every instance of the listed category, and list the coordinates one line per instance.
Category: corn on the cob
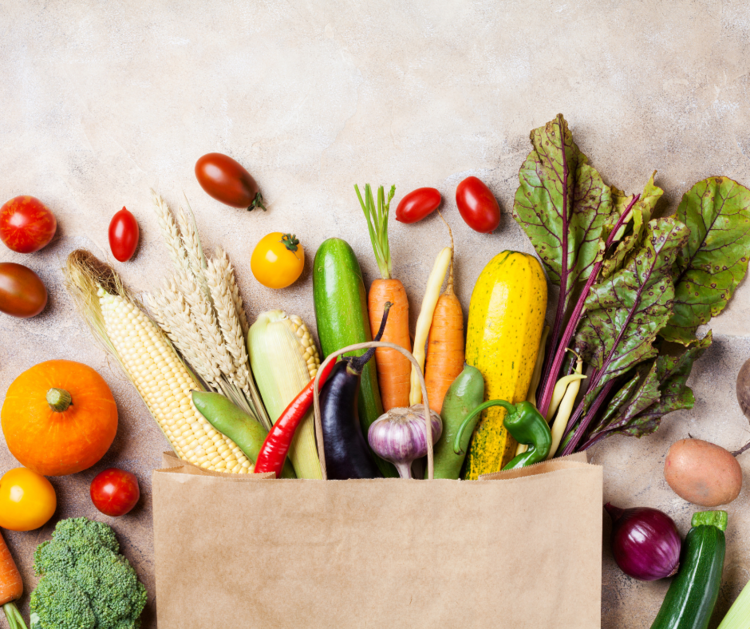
(151, 363)
(284, 359)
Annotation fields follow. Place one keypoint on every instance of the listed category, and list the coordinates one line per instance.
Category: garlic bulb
(399, 436)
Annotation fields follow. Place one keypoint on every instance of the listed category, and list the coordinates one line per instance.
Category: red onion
(645, 542)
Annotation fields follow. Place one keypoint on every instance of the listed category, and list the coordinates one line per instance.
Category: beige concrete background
(101, 101)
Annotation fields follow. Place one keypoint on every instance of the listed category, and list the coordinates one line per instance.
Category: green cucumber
(463, 396)
(341, 313)
(692, 595)
(232, 422)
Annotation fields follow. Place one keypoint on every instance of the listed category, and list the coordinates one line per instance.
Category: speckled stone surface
(102, 101)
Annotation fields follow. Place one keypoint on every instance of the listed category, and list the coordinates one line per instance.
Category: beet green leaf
(625, 312)
(714, 261)
(563, 205)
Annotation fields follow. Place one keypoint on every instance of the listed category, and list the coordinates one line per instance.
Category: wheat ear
(171, 232)
(231, 280)
(205, 320)
(229, 323)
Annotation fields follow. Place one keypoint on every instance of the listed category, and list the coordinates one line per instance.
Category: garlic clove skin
(399, 436)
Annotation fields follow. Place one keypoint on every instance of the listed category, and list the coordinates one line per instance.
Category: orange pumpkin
(59, 417)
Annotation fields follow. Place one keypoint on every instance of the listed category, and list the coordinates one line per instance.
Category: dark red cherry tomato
(123, 235)
(418, 204)
(227, 181)
(26, 225)
(115, 492)
(22, 293)
(477, 205)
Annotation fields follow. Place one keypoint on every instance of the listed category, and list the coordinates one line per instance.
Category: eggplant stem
(357, 364)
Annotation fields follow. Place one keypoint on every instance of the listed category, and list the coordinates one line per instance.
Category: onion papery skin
(399, 436)
(645, 542)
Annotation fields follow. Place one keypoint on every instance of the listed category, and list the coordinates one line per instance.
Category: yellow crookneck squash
(506, 316)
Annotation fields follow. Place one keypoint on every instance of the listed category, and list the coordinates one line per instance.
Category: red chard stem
(558, 351)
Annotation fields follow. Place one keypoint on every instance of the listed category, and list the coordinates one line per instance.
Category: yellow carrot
(432, 293)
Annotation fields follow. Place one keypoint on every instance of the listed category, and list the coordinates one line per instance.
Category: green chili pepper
(523, 422)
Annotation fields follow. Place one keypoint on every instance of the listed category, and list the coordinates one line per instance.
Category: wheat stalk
(192, 245)
(231, 280)
(170, 305)
(204, 317)
(202, 312)
(229, 323)
(171, 233)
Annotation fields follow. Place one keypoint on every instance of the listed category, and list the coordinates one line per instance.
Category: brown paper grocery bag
(514, 550)
(505, 552)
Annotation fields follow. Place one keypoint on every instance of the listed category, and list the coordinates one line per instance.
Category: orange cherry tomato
(27, 500)
(278, 260)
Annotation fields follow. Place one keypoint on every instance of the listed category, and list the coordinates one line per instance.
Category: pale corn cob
(165, 385)
(284, 359)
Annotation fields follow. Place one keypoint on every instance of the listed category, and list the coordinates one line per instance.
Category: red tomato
(115, 492)
(477, 205)
(26, 225)
(123, 235)
(22, 293)
(418, 204)
(227, 181)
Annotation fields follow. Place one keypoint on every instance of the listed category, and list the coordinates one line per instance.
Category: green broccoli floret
(58, 603)
(85, 554)
(84, 529)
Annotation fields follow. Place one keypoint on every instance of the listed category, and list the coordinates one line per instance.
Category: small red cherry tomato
(226, 180)
(26, 225)
(477, 205)
(115, 492)
(123, 235)
(418, 204)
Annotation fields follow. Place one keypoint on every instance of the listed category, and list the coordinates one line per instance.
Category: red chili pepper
(276, 446)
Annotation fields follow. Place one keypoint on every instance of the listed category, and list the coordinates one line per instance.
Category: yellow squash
(506, 316)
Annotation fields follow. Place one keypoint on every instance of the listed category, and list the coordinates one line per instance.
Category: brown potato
(702, 473)
(743, 388)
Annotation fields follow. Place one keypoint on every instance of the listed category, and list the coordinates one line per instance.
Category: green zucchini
(341, 313)
(692, 595)
(463, 396)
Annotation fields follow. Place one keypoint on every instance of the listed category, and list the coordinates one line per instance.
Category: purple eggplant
(347, 454)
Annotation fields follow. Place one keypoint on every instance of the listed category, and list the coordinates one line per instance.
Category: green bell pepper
(523, 422)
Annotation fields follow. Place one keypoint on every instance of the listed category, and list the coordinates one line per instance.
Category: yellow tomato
(277, 260)
(27, 500)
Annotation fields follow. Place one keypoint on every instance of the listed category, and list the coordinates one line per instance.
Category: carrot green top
(377, 223)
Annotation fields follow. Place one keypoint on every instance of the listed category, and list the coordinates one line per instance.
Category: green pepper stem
(711, 518)
(474, 416)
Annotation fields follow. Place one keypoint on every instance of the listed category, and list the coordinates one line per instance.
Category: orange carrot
(445, 345)
(11, 586)
(394, 369)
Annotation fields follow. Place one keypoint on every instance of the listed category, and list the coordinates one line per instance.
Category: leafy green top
(377, 224)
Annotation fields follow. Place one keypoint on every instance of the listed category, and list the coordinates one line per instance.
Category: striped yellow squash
(506, 316)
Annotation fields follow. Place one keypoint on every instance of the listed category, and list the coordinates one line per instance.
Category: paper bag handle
(426, 403)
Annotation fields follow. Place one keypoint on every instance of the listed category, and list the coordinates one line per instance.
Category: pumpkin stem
(59, 400)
